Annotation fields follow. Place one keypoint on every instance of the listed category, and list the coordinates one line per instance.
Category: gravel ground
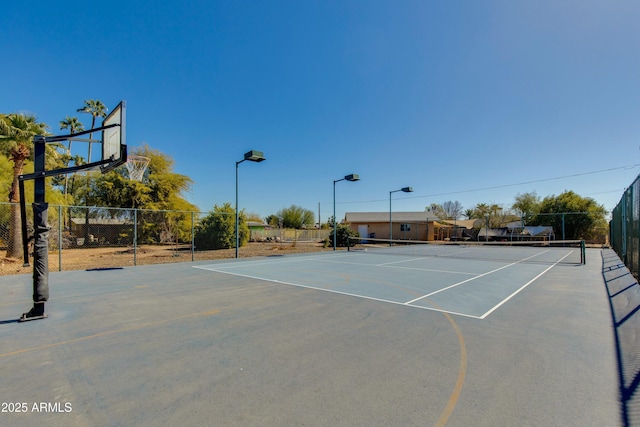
(110, 257)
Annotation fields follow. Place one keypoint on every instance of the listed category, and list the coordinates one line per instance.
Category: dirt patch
(113, 257)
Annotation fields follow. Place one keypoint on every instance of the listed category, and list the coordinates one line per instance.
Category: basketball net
(137, 165)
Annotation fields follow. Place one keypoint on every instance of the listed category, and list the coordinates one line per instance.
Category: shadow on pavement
(624, 298)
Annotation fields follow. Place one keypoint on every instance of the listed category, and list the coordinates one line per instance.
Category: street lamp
(352, 177)
(404, 190)
(252, 156)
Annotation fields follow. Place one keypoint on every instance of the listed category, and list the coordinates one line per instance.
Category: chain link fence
(82, 238)
(289, 235)
(624, 228)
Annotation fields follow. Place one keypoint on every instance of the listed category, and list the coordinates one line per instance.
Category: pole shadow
(623, 291)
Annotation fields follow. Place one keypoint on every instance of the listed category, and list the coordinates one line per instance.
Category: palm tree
(16, 134)
(97, 109)
(74, 125)
(481, 210)
(4, 125)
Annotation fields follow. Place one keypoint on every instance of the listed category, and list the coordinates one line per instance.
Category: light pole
(352, 177)
(252, 156)
(404, 190)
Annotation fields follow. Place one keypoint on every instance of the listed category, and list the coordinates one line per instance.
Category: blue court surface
(471, 287)
(332, 338)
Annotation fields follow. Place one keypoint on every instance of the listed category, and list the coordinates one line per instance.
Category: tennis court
(334, 338)
(467, 279)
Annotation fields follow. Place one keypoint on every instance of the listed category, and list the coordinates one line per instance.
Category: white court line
(524, 286)
(464, 273)
(217, 268)
(419, 258)
(280, 282)
(474, 278)
(398, 262)
(393, 266)
(236, 264)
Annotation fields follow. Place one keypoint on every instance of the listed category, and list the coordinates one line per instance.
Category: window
(405, 227)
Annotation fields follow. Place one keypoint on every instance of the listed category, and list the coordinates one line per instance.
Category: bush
(218, 229)
(343, 232)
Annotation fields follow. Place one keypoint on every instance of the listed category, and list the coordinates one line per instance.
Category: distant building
(259, 226)
(426, 226)
(100, 230)
(406, 225)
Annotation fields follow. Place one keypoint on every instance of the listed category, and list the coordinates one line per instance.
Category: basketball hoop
(137, 165)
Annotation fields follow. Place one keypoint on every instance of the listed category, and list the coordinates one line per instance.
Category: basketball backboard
(114, 154)
(114, 146)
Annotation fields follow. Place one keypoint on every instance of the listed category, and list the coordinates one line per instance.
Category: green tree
(166, 186)
(481, 211)
(343, 232)
(5, 128)
(96, 109)
(159, 189)
(526, 205)
(273, 220)
(74, 126)
(253, 216)
(579, 217)
(16, 140)
(217, 229)
(296, 217)
(437, 210)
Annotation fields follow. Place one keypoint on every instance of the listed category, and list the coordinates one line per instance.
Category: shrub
(343, 232)
(218, 229)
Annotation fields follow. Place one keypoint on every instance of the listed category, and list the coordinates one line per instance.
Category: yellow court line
(457, 389)
(102, 334)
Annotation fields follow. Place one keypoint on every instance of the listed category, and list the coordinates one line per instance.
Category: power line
(628, 167)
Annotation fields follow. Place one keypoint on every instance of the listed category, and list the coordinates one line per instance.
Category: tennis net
(552, 252)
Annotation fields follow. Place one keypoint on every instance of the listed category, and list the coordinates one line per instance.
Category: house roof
(465, 223)
(384, 217)
(257, 224)
(532, 231)
(100, 221)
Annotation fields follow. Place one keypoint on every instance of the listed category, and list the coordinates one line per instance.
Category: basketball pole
(41, 210)
(41, 231)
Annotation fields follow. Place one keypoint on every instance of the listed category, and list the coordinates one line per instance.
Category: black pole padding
(41, 253)
(23, 220)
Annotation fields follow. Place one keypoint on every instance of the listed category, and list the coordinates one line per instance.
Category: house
(258, 231)
(259, 226)
(101, 230)
(401, 225)
(426, 226)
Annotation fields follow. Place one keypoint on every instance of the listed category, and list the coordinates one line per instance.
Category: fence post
(623, 228)
(193, 237)
(135, 237)
(59, 238)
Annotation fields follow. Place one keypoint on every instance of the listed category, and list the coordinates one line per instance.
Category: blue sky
(474, 101)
